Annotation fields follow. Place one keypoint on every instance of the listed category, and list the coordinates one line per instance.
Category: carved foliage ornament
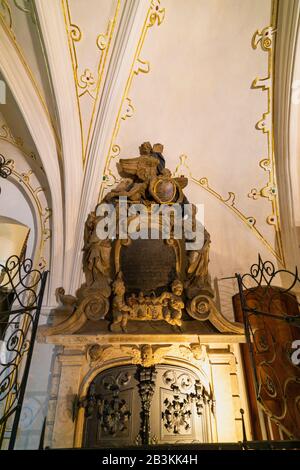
(115, 416)
(177, 412)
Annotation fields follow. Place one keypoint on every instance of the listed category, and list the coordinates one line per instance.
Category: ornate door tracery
(148, 405)
(114, 418)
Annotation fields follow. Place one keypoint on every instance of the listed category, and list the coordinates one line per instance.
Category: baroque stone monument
(143, 338)
(131, 279)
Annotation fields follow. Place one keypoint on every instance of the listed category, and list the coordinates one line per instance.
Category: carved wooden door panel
(181, 409)
(116, 421)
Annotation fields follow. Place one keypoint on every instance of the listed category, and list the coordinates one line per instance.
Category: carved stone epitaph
(134, 279)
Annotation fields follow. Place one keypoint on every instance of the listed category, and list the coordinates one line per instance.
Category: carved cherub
(127, 187)
(173, 304)
(120, 309)
(146, 354)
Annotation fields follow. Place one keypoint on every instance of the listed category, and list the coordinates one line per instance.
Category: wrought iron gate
(270, 308)
(21, 295)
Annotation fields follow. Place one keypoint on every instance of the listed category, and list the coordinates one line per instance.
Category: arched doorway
(181, 408)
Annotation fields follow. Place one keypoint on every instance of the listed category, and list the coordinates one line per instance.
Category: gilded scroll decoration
(88, 82)
(266, 40)
(7, 136)
(230, 202)
(5, 169)
(155, 16)
(6, 20)
(263, 38)
(35, 192)
(44, 212)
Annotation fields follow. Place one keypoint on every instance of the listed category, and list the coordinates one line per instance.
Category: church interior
(119, 334)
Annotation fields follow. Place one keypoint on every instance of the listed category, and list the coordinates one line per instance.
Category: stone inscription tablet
(147, 265)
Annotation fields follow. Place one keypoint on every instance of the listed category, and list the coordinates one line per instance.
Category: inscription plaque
(147, 265)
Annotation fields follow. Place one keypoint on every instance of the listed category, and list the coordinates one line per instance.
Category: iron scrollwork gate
(21, 295)
(268, 301)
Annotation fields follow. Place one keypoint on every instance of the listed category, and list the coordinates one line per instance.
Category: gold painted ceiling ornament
(266, 40)
(89, 82)
(155, 15)
(6, 20)
(230, 202)
(43, 213)
(5, 13)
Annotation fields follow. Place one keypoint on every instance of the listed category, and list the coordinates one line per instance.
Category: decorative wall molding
(7, 136)
(42, 215)
(23, 175)
(126, 110)
(266, 40)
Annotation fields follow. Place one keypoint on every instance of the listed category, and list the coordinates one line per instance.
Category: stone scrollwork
(202, 308)
(199, 308)
(95, 307)
(94, 352)
(146, 355)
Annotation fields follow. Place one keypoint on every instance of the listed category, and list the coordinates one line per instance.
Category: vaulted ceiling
(89, 81)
